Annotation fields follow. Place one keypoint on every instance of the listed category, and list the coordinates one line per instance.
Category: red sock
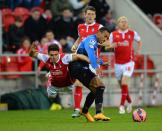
(129, 99)
(77, 97)
(124, 93)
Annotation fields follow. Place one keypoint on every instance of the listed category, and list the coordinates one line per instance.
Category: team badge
(92, 43)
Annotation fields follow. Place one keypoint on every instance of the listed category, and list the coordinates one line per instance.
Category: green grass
(44, 120)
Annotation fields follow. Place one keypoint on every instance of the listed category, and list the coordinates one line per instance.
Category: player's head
(122, 23)
(90, 14)
(102, 35)
(53, 52)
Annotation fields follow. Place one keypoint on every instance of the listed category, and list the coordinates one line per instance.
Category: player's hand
(33, 48)
(99, 71)
(74, 48)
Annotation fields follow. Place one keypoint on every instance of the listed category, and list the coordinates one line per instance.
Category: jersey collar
(120, 31)
(90, 24)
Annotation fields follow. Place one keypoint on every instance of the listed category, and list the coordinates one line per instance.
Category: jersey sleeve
(67, 58)
(90, 49)
(100, 26)
(136, 36)
(43, 57)
(111, 38)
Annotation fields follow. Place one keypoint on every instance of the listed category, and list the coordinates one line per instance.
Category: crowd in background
(47, 22)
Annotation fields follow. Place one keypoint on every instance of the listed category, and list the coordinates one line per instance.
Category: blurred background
(22, 79)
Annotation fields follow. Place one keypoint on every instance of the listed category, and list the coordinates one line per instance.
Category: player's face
(90, 16)
(54, 56)
(102, 37)
(123, 24)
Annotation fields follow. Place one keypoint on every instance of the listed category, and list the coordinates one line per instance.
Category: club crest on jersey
(129, 36)
(92, 43)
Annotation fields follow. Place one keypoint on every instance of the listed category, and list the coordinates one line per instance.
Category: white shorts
(52, 90)
(124, 70)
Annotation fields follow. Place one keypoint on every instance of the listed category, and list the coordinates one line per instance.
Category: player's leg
(77, 98)
(53, 94)
(124, 94)
(97, 87)
(127, 73)
(118, 75)
(88, 102)
(81, 71)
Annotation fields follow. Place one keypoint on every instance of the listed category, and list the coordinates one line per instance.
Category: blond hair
(121, 18)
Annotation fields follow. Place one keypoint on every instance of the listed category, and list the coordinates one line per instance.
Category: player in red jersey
(90, 27)
(122, 42)
(57, 63)
(50, 39)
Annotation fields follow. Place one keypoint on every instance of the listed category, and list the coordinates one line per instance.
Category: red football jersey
(85, 30)
(59, 73)
(124, 51)
(44, 49)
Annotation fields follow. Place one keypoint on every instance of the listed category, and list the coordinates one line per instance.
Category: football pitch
(45, 120)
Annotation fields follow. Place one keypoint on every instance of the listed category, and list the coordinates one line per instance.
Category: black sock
(89, 100)
(99, 99)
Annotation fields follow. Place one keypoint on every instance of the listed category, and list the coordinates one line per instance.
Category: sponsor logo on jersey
(124, 43)
(56, 73)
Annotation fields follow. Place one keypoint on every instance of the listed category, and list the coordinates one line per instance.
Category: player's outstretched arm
(75, 45)
(33, 52)
(80, 57)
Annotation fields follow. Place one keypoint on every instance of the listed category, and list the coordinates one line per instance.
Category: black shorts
(80, 70)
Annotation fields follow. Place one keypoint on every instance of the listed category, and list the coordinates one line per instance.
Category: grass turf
(44, 120)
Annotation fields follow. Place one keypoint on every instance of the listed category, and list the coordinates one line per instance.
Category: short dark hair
(53, 47)
(102, 29)
(90, 8)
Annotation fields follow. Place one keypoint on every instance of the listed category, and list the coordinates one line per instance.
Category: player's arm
(109, 43)
(72, 57)
(80, 57)
(91, 55)
(75, 45)
(33, 52)
(139, 43)
(139, 47)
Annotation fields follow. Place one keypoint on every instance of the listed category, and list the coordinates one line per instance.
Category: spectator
(16, 32)
(101, 7)
(66, 44)
(35, 25)
(58, 5)
(47, 15)
(24, 3)
(78, 5)
(51, 39)
(64, 25)
(108, 21)
(25, 62)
